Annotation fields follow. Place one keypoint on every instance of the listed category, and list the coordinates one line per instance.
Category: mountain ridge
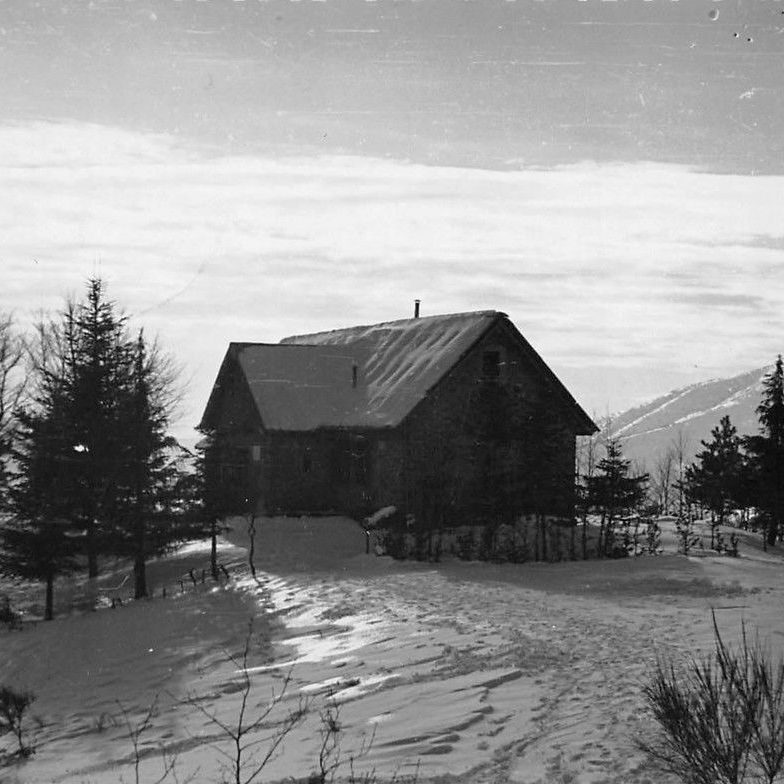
(690, 413)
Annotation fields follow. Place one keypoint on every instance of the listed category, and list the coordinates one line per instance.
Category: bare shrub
(14, 706)
(242, 764)
(134, 732)
(9, 617)
(687, 536)
(721, 717)
(330, 758)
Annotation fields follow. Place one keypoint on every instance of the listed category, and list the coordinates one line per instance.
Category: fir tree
(715, 479)
(586, 459)
(210, 500)
(766, 452)
(614, 491)
(147, 519)
(684, 527)
(92, 451)
(38, 541)
(99, 368)
(82, 357)
(41, 549)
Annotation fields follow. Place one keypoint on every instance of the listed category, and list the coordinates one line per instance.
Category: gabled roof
(364, 377)
(304, 387)
(401, 360)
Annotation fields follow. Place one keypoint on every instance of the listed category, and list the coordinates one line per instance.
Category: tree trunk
(772, 531)
(252, 543)
(92, 550)
(600, 540)
(214, 548)
(139, 576)
(140, 555)
(536, 537)
(585, 538)
(49, 608)
(609, 535)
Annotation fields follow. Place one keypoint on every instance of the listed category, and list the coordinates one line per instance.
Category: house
(450, 419)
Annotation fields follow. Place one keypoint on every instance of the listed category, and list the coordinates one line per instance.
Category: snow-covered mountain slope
(649, 430)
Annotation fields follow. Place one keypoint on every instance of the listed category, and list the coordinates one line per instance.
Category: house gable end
(584, 425)
(231, 405)
(501, 337)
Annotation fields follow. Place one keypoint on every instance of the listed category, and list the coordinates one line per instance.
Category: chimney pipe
(416, 308)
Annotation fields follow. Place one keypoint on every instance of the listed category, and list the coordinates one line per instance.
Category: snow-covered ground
(490, 673)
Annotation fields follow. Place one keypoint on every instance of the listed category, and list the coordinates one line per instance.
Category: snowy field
(461, 672)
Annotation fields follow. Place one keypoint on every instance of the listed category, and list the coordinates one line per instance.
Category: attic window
(491, 364)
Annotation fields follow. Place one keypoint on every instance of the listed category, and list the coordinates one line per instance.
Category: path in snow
(529, 673)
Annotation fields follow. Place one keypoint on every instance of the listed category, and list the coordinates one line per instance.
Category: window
(359, 463)
(340, 459)
(307, 461)
(349, 462)
(232, 474)
(491, 364)
(234, 466)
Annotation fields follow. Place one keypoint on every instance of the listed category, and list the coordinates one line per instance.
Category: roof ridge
(242, 344)
(290, 339)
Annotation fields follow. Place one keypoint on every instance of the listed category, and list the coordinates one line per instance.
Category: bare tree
(242, 765)
(662, 479)
(134, 732)
(329, 751)
(679, 447)
(330, 759)
(14, 706)
(12, 387)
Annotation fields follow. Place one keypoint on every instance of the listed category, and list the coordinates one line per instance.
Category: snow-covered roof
(362, 377)
(308, 381)
(399, 361)
(305, 387)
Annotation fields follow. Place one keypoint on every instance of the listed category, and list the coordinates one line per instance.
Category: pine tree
(38, 540)
(81, 356)
(766, 452)
(147, 520)
(211, 501)
(715, 479)
(614, 491)
(99, 367)
(684, 527)
(586, 459)
(93, 453)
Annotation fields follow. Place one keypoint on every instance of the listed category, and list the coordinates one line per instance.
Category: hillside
(648, 430)
(475, 673)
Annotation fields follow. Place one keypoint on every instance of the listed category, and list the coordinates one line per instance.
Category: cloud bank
(601, 266)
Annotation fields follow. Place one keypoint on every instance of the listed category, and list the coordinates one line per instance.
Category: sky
(609, 174)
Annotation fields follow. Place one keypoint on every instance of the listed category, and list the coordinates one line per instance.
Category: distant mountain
(648, 430)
